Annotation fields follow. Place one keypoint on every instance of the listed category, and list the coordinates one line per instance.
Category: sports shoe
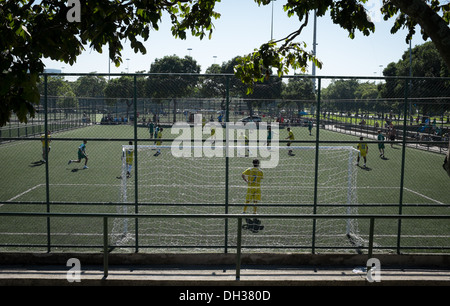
(85, 167)
(69, 162)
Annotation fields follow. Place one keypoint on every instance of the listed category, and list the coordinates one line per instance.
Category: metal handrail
(239, 218)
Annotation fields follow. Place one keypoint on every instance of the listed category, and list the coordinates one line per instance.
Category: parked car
(251, 119)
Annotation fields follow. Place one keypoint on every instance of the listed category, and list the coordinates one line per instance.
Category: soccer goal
(169, 184)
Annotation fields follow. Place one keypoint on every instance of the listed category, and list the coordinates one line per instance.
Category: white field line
(21, 194)
(423, 196)
(14, 143)
(283, 188)
(221, 185)
(79, 185)
(182, 235)
(407, 189)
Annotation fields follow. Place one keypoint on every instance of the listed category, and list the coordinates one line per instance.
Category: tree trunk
(430, 22)
(174, 110)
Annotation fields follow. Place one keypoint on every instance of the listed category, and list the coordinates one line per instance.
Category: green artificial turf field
(168, 184)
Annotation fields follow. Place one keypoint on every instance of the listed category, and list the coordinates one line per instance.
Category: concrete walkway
(219, 276)
(221, 270)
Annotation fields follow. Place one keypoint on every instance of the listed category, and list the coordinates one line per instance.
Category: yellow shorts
(253, 195)
(363, 154)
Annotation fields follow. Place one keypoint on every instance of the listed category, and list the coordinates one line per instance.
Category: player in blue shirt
(81, 155)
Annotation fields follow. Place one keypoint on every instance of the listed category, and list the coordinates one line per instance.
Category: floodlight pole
(410, 74)
(271, 23)
(314, 50)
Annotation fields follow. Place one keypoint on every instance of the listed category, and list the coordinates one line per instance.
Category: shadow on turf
(365, 168)
(76, 169)
(37, 163)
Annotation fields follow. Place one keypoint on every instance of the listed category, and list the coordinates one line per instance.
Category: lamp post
(314, 50)
(271, 23)
(410, 81)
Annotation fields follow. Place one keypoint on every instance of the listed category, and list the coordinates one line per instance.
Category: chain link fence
(180, 128)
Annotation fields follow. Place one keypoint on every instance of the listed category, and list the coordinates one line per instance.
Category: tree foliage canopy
(33, 30)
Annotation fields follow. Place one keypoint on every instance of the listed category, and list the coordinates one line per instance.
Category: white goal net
(214, 185)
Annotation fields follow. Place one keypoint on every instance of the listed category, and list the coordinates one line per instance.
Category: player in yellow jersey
(290, 137)
(45, 149)
(129, 156)
(253, 176)
(213, 135)
(158, 142)
(363, 150)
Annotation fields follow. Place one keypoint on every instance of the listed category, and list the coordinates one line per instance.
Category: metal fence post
(105, 247)
(47, 179)
(227, 161)
(370, 251)
(371, 231)
(313, 243)
(402, 174)
(136, 185)
(238, 249)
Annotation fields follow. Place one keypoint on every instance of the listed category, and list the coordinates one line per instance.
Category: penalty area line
(423, 196)
(21, 194)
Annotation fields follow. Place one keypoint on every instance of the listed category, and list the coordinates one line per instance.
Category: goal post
(171, 184)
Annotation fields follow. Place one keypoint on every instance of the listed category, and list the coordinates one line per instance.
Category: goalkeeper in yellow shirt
(363, 150)
(129, 155)
(253, 176)
(45, 146)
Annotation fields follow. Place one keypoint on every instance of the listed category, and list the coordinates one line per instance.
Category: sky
(244, 26)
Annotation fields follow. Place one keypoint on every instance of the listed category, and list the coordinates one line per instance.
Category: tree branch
(173, 3)
(293, 35)
(430, 22)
